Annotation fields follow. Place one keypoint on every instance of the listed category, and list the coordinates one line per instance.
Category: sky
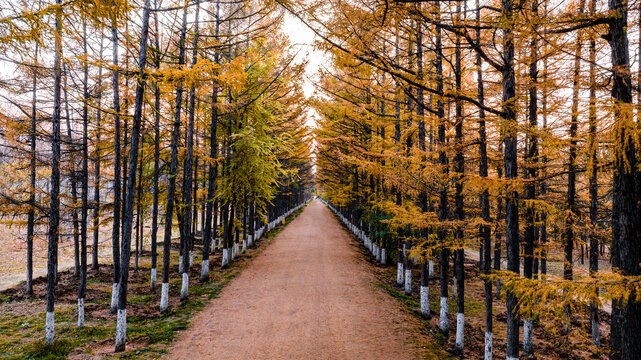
(303, 38)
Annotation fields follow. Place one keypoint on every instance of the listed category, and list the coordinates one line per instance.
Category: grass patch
(143, 299)
(38, 350)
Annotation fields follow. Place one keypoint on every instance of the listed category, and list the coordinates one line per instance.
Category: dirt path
(309, 295)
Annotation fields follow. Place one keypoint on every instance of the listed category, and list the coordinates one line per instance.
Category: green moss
(95, 331)
(139, 299)
(58, 350)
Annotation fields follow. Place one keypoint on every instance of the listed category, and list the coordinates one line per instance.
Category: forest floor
(309, 295)
(150, 334)
(549, 344)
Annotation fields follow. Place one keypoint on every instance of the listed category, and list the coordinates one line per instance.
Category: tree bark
(154, 210)
(96, 192)
(531, 174)
(484, 230)
(444, 323)
(459, 161)
(31, 217)
(72, 180)
(115, 234)
(626, 212)
(171, 189)
(85, 184)
(511, 173)
(121, 326)
(54, 201)
(188, 172)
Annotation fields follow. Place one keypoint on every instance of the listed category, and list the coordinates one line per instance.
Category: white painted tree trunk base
(191, 259)
(430, 270)
(489, 344)
(184, 288)
(121, 329)
(164, 297)
(244, 246)
(152, 281)
(399, 273)
(225, 256)
(425, 301)
(114, 298)
(527, 337)
(460, 332)
(180, 264)
(408, 281)
(204, 270)
(443, 321)
(81, 313)
(383, 257)
(50, 331)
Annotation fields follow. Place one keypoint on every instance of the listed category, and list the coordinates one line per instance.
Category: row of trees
(138, 112)
(446, 125)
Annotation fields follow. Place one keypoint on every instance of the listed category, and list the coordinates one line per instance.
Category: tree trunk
(420, 111)
(85, 185)
(400, 248)
(511, 173)
(72, 180)
(593, 180)
(96, 191)
(484, 230)
(121, 325)
(54, 201)
(459, 163)
(115, 234)
(571, 195)
(154, 210)
(444, 323)
(31, 220)
(626, 212)
(139, 228)
(188, 173)
(531, 174)
(171, 190)
(209, 234)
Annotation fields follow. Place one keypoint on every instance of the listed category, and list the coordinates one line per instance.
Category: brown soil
(309, 295)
